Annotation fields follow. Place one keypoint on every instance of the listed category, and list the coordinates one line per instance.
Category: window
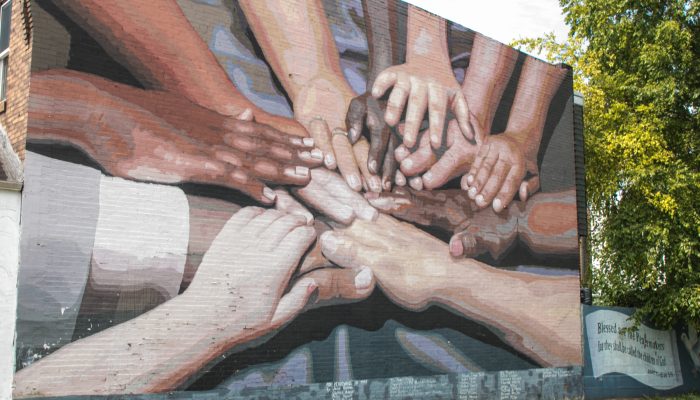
(5, 18)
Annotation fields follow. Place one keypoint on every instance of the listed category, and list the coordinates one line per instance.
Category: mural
(258, 193)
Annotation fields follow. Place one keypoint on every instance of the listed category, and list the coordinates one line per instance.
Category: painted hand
(366, 111)
(244, 274)
(443, 210)
(417, 87)
(159, 137)
(437, 169)
(496, 165)
(253, 154)
(245, 157)
(320, 107)
(451, 212)
(497, 172)
(396, 252)
(328, 193)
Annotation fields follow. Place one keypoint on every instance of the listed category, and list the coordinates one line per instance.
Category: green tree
(637, 64)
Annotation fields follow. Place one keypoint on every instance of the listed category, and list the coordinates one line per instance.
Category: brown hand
(158, 137)
(366, 111)
(453, 213)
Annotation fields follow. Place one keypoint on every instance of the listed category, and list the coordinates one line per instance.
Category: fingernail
(463, 183)
(416, 182)
(309, 217)
(523, 192)
(301, 171)
(329, 242)
(435, 140)
(472, 193)
(330, 161)
(375, 184)
(387, 184)
(406, 164)
(354, 182)
(470, 179)
(308, 141)
(368, 214)
(304, 155)
(479, 200)
(456, 248)
(376, 92)
(428, 176)
(269, 194)
(371, 195)
(311, 286)
(401, 152)
(246, 115)
(497, 206)
(317, 154)
(400, 179)
(372, 166)
(352, 134)
(295, 140)
(363, 280)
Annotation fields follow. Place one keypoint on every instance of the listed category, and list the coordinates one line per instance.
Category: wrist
(464, 278)
(211, 316)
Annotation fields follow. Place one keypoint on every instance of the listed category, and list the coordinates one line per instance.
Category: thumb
(529, 187)
(292, 303)
(355, 118)
(288, 204)
(479, 134)
(464, 244)
(342, 285)
(338, 248)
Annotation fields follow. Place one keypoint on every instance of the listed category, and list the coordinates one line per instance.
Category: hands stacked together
(493, 168)
(199, 128)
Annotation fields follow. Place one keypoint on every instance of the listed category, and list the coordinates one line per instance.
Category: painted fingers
(414, 93)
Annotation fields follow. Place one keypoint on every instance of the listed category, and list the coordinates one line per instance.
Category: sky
(503, 20)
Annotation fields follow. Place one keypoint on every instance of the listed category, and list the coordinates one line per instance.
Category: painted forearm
(538, 83)
(296, 39)
(504, 300)
(158, 361)
(79, 114)
(381, 21)
(155, 40)
(490, 66)
(426, 39)
(64, 108)
(206, 216)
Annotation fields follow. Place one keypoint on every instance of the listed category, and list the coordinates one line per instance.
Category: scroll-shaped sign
(648, 355)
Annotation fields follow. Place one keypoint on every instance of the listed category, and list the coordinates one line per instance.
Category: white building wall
(10, 202)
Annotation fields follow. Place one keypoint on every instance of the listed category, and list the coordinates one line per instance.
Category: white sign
(648, 355)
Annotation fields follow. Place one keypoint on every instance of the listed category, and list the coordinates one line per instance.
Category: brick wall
(14, 118)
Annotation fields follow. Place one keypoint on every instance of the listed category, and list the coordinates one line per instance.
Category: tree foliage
(637, 63)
